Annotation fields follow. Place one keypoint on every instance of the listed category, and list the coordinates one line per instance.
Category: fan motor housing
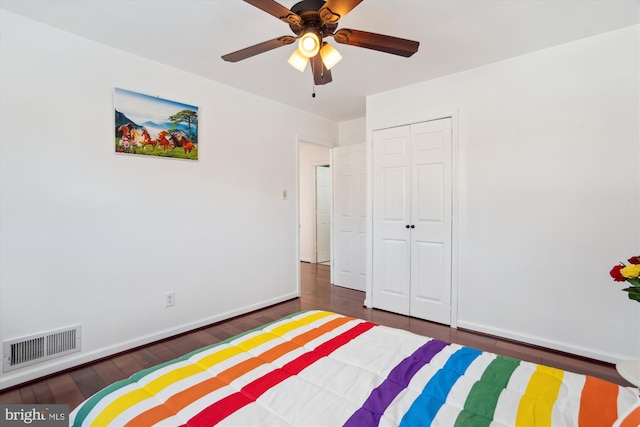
(308, 11)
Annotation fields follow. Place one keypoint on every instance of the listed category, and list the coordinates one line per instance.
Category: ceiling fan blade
(276, 9)
(333, 10)
(321, 76)
(380, 42)
(256, 49)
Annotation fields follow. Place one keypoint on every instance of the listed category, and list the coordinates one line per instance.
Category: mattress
(317, 368)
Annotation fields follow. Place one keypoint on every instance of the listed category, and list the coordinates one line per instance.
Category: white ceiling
(454, 35)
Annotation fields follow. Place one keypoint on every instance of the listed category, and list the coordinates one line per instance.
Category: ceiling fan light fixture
(330, 56)
(312, 21)
(298, 61)
(309, 44)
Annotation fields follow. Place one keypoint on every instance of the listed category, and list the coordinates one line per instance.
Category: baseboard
(304, 259)
(34, 372)
(544, 342)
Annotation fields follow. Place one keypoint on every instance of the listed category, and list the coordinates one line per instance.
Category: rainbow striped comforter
(321, 368)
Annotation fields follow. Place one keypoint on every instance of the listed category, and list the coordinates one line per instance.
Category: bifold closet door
(431, 210)
(412, 197)
(391, 220)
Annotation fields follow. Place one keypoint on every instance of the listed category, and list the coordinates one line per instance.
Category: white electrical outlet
(170, 299)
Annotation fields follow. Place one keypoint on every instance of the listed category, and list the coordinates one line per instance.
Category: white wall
(353, 132)
(310, 155)
(91, 237)
(549, 190)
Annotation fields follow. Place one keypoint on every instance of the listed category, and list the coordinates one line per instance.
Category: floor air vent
(37, 348)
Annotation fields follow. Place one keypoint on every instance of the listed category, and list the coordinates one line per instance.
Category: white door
(323, 216)
(431, 220)
(412, 220)
(349, 216)
(391, 220)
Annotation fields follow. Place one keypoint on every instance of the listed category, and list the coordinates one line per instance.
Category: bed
(325, 369)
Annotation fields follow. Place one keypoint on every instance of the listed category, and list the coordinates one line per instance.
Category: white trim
(317, 165)
(315, 141)
(368, 287)
(296, 224)
(542, 342)
(331, 217)
(314, 238)
(455, 215)
(33, 372)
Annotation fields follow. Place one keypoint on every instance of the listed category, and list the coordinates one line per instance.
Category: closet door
(391, 220)
(431, 209)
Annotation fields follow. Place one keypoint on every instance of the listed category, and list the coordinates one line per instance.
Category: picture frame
(152, 126)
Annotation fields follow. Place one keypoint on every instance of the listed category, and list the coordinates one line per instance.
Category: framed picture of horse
(151, 126)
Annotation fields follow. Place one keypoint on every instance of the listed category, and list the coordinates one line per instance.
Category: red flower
(615, 273)
(634, 260)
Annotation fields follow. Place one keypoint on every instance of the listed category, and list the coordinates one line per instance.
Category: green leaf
(635, 281)
(632, 290)
(635, 297)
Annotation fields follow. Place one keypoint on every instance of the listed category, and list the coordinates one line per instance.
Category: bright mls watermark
(34, 415)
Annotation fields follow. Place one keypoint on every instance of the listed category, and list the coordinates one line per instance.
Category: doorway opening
(314, 175)
(323, 214)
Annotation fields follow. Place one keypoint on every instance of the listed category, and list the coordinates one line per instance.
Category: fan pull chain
(313, 90)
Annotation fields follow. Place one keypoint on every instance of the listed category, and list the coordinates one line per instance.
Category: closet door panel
(391, 215)
(431, 217)
(428, 259)
(429, 193)
(394, 280)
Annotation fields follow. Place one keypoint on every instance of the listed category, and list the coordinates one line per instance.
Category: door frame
(315, 141)
(417, 117)
(317, 165)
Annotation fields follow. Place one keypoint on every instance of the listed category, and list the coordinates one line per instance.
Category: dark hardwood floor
(73, 386)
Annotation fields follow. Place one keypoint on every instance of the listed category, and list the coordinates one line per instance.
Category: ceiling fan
(312, 21)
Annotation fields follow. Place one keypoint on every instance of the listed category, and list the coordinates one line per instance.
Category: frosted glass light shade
(330, 56)
(309, 44)
(298, 61)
